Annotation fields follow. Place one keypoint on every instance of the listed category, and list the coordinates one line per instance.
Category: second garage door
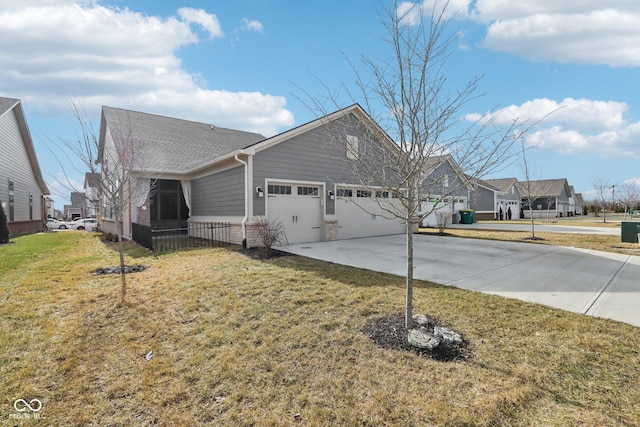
(360, 215)
(298, 208)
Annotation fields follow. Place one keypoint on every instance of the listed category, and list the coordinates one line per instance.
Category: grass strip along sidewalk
(214, 337)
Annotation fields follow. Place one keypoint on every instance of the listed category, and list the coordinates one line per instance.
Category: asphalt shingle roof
(175, 145)
(502, 184)
(548, 187)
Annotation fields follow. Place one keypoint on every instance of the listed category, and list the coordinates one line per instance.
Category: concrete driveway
(596, 283)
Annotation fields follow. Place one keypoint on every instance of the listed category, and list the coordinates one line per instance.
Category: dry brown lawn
(238, 341)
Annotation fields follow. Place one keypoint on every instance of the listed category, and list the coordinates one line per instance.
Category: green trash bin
(467, 216)
(629, 231)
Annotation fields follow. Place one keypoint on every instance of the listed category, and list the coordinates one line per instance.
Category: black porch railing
(194, 235)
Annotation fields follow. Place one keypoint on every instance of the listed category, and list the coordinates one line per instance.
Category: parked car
(89, 224)
(54, 224)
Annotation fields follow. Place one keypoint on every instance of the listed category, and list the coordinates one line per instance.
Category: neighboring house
(508, 198)
(193, 173)
(49, 209)
(444, 191)
(78, 207)
(575, 202)
(91, 191)
(484, 200)
(550, 198)
(22, 188)
(579, 204)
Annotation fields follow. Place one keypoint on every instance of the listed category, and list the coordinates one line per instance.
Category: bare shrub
(270, 234)
(442, 218)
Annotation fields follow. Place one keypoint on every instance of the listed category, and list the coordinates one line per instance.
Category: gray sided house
(22, 188)
(550, 198)
(303, 178)
(575, 202)
(444, 191)
(484, 200)
(508, 198)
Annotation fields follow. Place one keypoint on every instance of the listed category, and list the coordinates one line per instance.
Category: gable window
(343, 192)
(352, 147)
(279, 189)
(307, 191)
(445, 181)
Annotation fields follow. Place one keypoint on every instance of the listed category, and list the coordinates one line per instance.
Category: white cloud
(579, 126)
(252, 25)
(53, 50)
(206, 20)
(587, 32)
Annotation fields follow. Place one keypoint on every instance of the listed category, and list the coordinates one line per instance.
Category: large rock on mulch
(422, 338)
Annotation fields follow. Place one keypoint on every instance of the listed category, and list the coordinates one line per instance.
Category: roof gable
(354, 109)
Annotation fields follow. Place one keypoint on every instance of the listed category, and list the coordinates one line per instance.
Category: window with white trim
(279, 189)
(352, 147)
(307, 191)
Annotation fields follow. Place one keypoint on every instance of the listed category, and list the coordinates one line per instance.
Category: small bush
(270, 234)
(4, 227)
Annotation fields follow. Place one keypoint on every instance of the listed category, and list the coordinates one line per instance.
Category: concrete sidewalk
(590, 282)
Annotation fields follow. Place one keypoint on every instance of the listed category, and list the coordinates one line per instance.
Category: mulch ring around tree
(116, 270)
(389, 332)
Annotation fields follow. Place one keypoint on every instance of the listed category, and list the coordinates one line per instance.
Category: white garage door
(431, 220)
(359, 215)
(298, 208)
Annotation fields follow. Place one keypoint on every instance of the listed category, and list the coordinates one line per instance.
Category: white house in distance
(22, 188)
(444, 191)
(303, 178)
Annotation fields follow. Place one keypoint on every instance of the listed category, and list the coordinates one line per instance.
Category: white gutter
(246, 199)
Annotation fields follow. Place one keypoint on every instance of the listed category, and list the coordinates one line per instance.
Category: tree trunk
(123, 277)
(409, 301)
(533, 231)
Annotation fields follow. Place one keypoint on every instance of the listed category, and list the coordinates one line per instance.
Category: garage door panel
(364, 217)
(301, 215)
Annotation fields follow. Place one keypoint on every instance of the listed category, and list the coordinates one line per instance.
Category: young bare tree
(76, 155)
(527, 188)
(119, 156)
(601, 187)
(628, 194)
(421, 115)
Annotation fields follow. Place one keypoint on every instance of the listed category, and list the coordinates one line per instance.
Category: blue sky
(245, 64)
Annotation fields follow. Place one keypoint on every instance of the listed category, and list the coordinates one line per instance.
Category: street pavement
(595, 283)
(539, 227)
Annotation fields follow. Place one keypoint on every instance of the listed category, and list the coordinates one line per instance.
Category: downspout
(246, 201)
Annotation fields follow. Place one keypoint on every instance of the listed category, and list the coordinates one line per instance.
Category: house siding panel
(220, 194)
(15, 167)
(311, 156)
(433, 184)
(482, 200)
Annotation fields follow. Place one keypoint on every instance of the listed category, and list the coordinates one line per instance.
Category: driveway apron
(583, 281)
